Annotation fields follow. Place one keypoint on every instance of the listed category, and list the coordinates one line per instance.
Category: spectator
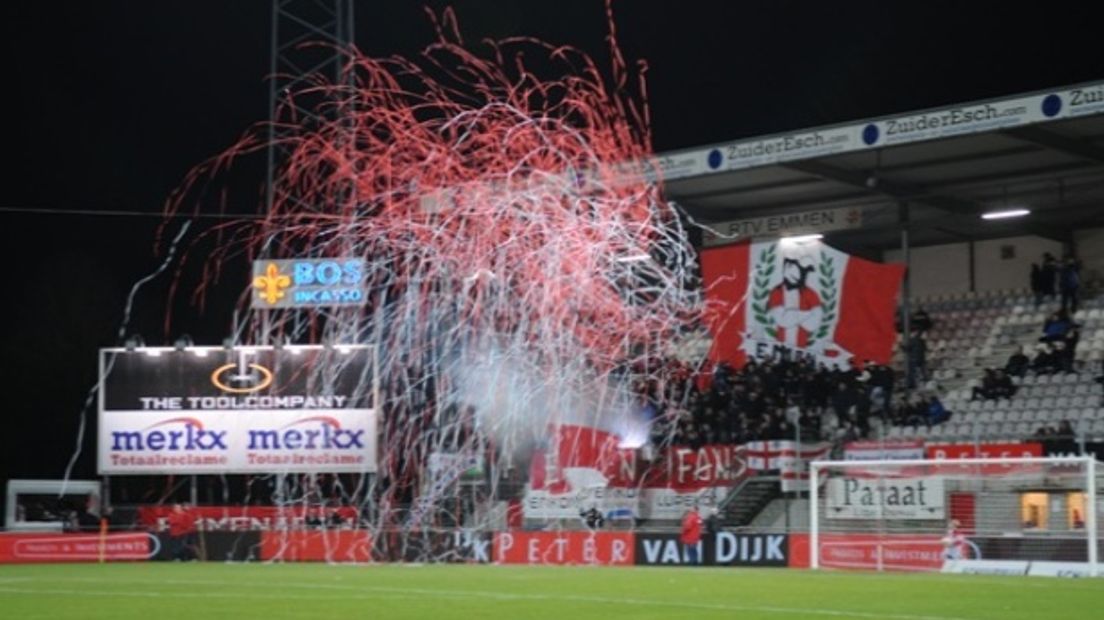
(1069, 283)
(1045, 362)
(1100, 379)
(921, 321)
(713, 521)
(593, 519)
(917, 359)
(1017, 364)
(843, 400)
(1048, 275)
(937, 413)
(1042, 434)
(881, 377)
(915, 413)
(1062, 362)
(88, 517)
(1061, 440)
(1065, 430)
(1002, 385)
(1067, 350)
(1056, 326)
(985, 391)
(1037, 284)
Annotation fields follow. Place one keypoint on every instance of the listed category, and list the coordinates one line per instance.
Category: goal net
(1007, 516)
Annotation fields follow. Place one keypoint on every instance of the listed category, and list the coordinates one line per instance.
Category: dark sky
(108, 104)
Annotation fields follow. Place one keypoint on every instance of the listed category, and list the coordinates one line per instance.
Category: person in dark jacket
(1069, 283)
(1037, 283)
(1017, 364)
(1048, 275)
(593, 518)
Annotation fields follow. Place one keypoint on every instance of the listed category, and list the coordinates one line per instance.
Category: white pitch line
(391, 592)
(154, 594)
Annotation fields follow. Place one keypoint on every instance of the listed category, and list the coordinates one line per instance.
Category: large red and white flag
(806, 297)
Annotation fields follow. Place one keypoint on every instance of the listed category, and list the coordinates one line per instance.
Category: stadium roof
(1042, 151)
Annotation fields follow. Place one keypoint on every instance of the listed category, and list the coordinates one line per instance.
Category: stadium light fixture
(803, 238)
(1005, 214)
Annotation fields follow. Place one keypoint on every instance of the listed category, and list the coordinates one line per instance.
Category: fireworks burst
(523, 265)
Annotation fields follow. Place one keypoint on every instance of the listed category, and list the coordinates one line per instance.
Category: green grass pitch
(157, 591)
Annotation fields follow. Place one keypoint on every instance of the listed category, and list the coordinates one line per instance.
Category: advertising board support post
(814, 516)
(1090, 517)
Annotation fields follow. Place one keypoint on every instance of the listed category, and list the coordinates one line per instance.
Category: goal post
(1034, 516)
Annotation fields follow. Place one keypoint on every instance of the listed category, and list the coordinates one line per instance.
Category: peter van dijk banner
(719, 549)
(599, 548)
(255, 410)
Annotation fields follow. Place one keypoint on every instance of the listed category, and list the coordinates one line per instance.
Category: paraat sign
(887, 498)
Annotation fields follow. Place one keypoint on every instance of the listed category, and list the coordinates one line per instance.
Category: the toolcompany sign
(257, 410)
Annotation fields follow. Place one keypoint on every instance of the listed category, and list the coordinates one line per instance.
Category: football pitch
(156, 591)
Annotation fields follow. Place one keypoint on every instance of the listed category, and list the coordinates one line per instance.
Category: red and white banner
(687, 469)
(608, 548)
(249, 518)
(785, 457)
(805, 297)
(317, 546)
(891, 450)
(684, 478)
(25, 548)
(942, 451)
(901, 552)
(586, 469)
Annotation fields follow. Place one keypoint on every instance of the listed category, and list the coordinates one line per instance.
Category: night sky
(108, 104)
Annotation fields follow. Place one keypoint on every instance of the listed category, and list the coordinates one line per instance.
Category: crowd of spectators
(778, 398)
(1054, 278)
